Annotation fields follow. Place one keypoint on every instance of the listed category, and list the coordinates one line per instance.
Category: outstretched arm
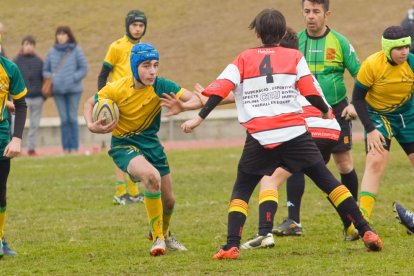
(212, 102)
(176, 106)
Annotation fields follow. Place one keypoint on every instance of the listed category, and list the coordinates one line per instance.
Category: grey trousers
(35, 106)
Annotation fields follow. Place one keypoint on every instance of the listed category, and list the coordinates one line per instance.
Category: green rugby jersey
(328, 56)
(11, 83)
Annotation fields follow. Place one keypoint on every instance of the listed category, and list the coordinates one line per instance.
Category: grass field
(61, 222)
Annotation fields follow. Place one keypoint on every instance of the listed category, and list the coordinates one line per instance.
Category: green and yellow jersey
(139, 110)
(11, 82)
(117, 58)
(389, 86)
(328, 56)
(139, 121)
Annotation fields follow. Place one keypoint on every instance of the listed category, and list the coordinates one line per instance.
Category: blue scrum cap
(141, 52)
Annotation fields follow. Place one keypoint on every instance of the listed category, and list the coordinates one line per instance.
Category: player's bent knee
(152, 181)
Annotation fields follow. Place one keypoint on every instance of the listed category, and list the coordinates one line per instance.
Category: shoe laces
(409, 215)
(173, 240)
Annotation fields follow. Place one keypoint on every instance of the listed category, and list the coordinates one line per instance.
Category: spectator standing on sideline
(2, 51)
(12, 84)
(408, 24)
(328, 54)
(66, 65)
(31, 66)
(116, 65)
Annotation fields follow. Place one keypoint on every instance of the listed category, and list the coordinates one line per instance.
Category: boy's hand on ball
(99, 126)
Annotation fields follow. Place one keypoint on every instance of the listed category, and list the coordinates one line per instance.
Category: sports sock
(268, 200)
(339, 195)
(348, 209)
(133, 188)
(295, 187)
(4, 169)
(2, 221)
(366, 203)
(120, 188)
(153, 205)
(166, 216)
(346, 222)
(350, 180)
(236, 219)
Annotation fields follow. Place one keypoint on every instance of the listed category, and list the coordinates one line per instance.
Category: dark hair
(66, 30)
(30, 39)
(290, 40)
(270, 25)
(394, 32)
(325, 3)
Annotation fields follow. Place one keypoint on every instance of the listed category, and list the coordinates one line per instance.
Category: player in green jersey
(11, 83)
(115, 66)
(135, 146)
(328, 54)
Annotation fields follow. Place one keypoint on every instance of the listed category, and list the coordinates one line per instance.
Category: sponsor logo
(330, 53)
(346, 139)
(265, 51)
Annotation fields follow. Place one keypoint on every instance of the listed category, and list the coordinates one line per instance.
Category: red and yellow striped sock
(268, 202)
(339, 194)
(237, 214)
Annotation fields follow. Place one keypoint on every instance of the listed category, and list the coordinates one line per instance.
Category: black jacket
(31, 67)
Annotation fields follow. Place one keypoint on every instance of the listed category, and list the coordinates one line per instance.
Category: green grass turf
(61, 222)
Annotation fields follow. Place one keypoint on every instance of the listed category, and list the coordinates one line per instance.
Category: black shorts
(294, 155)
(325, 146)
(345, 139)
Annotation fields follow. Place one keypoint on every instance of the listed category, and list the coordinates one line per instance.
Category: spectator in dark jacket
(31, 67)
(66, 65)
(408, 24)
(2, 52)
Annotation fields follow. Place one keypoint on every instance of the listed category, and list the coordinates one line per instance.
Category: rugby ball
(105, 109)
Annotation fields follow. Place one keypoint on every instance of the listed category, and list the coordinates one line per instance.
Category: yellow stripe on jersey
(387, 126)
(339, 194)
(20, 95)
(268, 195)
(238, 205)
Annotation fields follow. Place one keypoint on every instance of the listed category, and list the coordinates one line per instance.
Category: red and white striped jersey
(318, 127)
(267, 82)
